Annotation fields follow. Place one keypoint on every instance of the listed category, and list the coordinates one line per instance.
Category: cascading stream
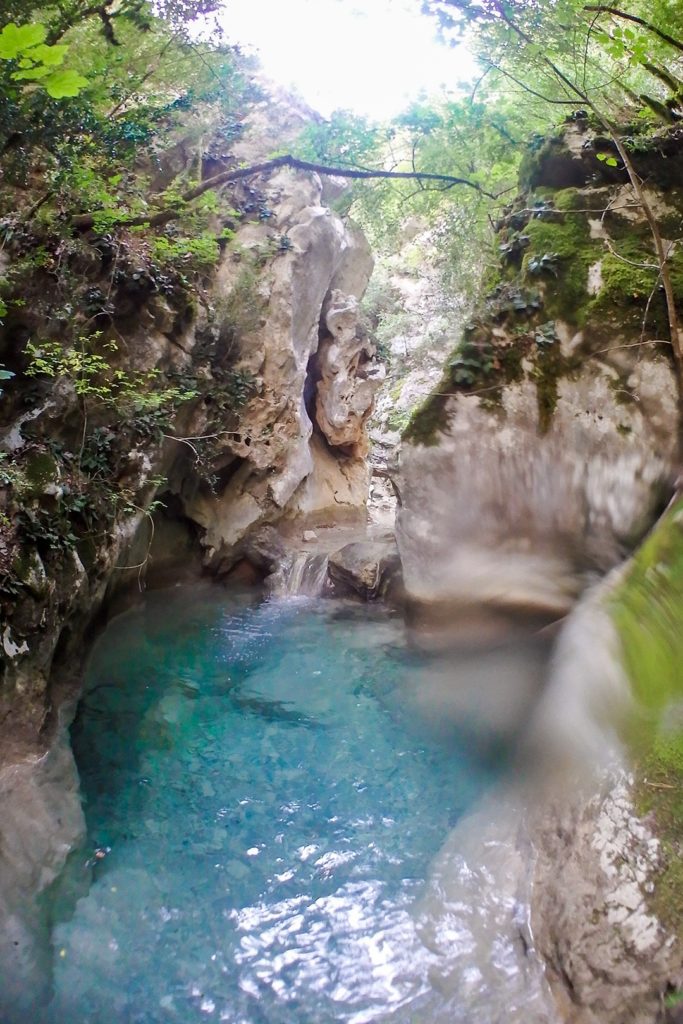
(303, 575)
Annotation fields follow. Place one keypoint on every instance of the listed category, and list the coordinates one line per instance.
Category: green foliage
(238, 387)
(93, 376)
(545, 263)
(546, 334)
(240, 311)
(471, 364)
(197, 255)
(5, 374)
(607, 159)
(35, 61)
(673, 999)
(97, 455)
(646, 612)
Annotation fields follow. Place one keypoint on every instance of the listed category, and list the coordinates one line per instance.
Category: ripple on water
(268, 809)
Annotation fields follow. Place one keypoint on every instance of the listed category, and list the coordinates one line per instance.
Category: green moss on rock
(629, 273)
(427, 420)
(630, 287)
(549, 367)
(566, 295)
(659, 795)
(568, 199)
(648, 613)
(39, 470)
(548, 163)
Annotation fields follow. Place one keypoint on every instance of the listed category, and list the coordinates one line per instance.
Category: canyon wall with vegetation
(554, 432)
(185, 359)
(167, 394)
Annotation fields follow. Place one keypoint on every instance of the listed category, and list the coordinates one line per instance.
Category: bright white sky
(369, 56)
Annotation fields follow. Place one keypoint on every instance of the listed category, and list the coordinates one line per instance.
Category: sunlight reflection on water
(271, 802)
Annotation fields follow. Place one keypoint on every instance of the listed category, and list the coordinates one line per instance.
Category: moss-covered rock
(566, 254)
(39, 471)
(549, 163)
(570, 242)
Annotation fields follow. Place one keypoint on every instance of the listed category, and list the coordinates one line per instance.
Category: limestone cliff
(548, 447)
(194, 415)
(205, 406)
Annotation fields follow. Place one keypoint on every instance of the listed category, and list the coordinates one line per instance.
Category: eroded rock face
(349, 377)
(274, 446)
(239, 455)
(494, 510)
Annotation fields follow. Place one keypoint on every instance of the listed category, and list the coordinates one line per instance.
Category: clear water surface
(263, 805)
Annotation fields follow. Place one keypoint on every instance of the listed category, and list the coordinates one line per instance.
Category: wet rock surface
(365, 566)
(42, 823)
(609, 958)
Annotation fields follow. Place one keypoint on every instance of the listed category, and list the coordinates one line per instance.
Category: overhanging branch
(84, 221)
(625, 16)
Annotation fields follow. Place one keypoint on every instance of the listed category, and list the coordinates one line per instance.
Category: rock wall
(551, 442)
(498, 511)
(598, 857)
(281, 380)
(276, 463)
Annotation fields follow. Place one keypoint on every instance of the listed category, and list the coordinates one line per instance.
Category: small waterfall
(303, 575)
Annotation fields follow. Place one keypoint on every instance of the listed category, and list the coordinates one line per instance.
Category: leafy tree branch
(625, 16)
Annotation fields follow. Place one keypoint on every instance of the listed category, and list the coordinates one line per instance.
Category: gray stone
(41, 822)
(265, 549)
(364, 566)
(608, 958)
(496, 511)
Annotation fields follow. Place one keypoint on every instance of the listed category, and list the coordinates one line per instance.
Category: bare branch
(85, 221)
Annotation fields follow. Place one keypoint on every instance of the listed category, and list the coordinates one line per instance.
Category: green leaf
(15, 39)
(51, 56)
(31, 74)
(64, 83)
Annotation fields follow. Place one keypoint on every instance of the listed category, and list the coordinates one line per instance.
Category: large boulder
(365, 566)
(495, 511)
